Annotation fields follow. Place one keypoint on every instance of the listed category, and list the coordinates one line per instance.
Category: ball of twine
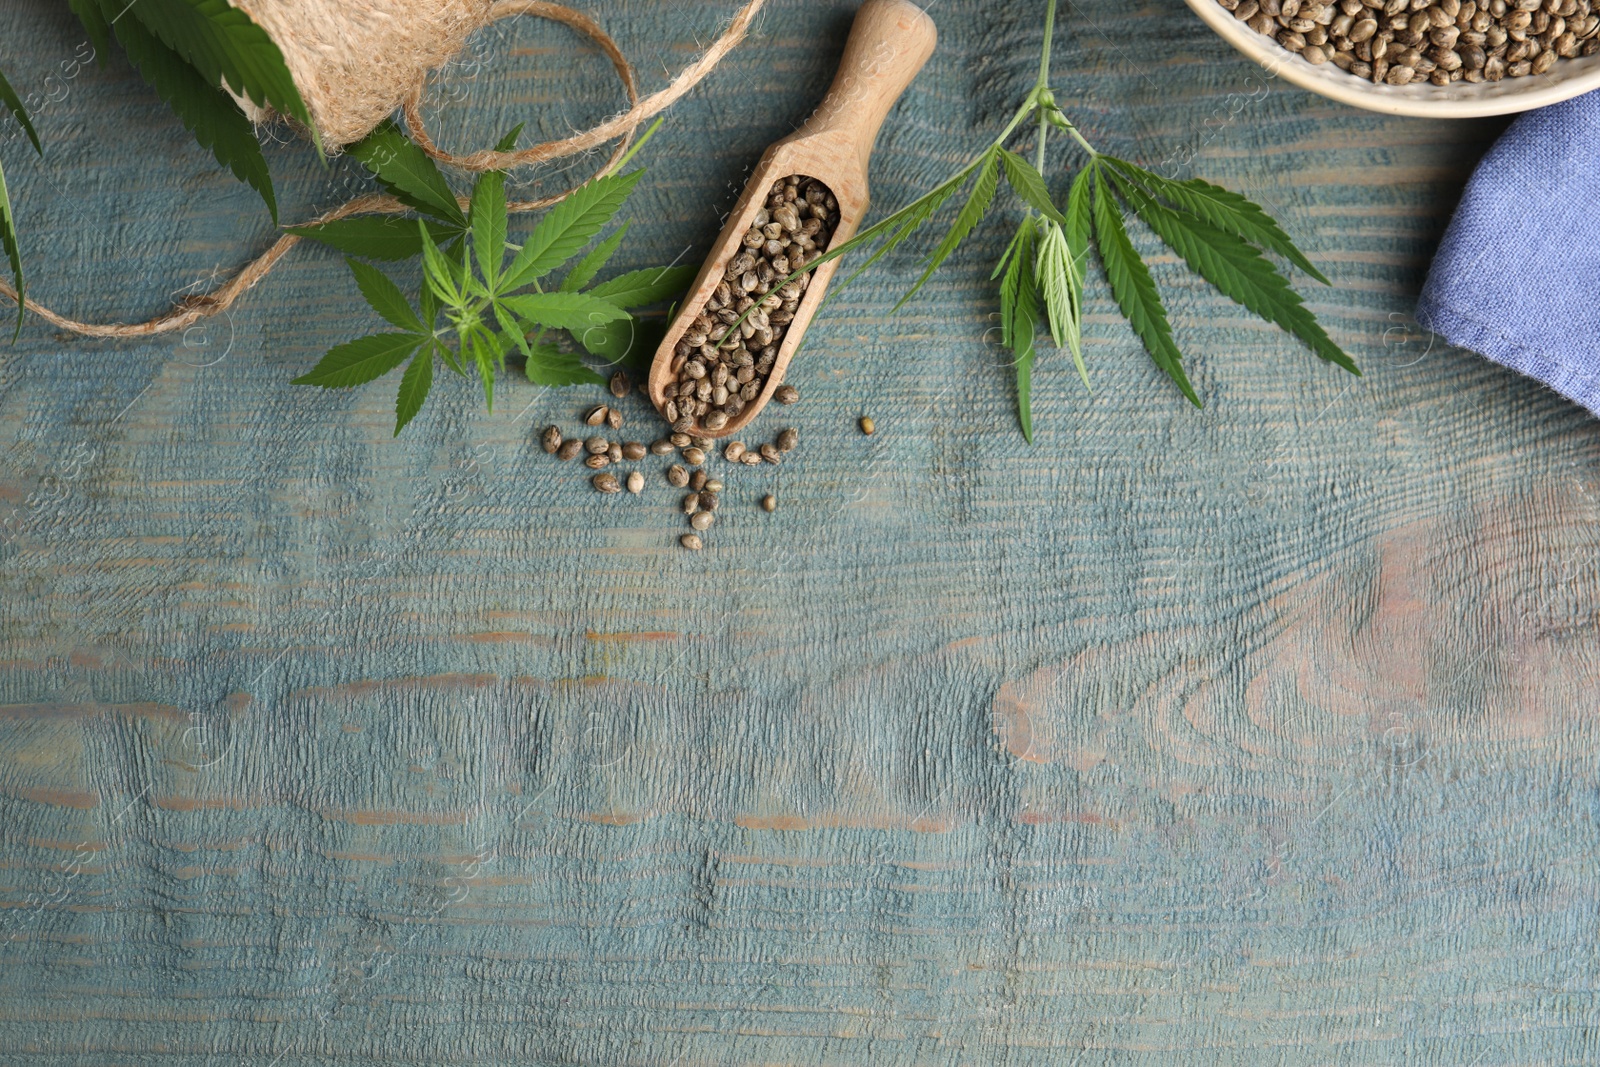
(325, 43)
(353, 60)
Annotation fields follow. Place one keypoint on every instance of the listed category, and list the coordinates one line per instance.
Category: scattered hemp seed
(868, 427)
(614, 419)
(703, 495)
(786, 394)
(620, 384)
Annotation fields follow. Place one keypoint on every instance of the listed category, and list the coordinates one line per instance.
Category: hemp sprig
(494, 309)
(1221, 235)
(8, 220)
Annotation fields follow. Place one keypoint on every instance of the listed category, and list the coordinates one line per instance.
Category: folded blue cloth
(1517, 276)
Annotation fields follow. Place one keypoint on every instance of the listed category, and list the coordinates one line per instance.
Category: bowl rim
(1542, 91)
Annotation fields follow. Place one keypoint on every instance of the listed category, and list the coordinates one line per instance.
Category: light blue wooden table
(1258, 735)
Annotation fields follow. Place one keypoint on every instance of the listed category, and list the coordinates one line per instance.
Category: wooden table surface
(1257, 735)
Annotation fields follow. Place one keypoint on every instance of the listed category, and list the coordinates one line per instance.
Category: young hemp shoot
(1219, 234)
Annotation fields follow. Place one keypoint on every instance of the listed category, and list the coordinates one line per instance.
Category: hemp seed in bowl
(1401, 42)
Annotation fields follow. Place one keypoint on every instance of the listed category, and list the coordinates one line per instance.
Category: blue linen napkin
(1517, 276)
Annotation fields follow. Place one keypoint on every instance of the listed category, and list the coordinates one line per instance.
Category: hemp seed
(786, 394)
(635, 482)
(620, 384)
(662, 447)
(551, 439)
(702, 520)
(694, 456)
(788, 439)
(734, 450)
(596, 415)
(569, 448)
(606, 483)
(677, 477)
(633, 450)
(1402, 42)
(596, 445)
(692, 542)
(718, 372)
(868, 427)
(769, 503)
(596, 461)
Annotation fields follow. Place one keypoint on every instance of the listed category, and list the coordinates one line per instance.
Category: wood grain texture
(1259, 735)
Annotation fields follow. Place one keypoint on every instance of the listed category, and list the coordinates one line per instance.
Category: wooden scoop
(889, 42)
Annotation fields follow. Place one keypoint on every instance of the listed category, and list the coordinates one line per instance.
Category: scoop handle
(889, 42)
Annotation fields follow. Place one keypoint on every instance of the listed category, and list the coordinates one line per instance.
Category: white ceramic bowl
(1458, 100)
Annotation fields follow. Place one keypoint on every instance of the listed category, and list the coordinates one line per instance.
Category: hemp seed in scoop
(719, 370)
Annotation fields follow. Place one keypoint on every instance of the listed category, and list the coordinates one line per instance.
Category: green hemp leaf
(189, 51)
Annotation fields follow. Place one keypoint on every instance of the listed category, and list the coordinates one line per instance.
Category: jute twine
(620, 128)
